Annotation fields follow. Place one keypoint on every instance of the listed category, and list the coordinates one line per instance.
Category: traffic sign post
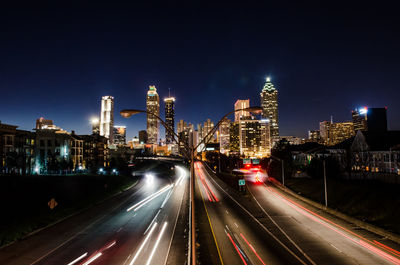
(242, 184)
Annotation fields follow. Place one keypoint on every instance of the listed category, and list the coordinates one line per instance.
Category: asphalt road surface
(281, 230)
(135, 228)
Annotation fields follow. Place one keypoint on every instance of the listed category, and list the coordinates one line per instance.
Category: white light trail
(77, 259)
(92, 258)
(166, 199)
(138, 205)
(144, 243)
(157, 242)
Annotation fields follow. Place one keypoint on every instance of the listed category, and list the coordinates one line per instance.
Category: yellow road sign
(52, 203)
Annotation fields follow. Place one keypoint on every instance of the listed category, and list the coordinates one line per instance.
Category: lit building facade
(234, 141)
(269, 104)
(152, 106)
(254, 138)
(224, 136)
(119, 134)
(314, 136)
(169, 119)
(107, 118)
(241, 104)
(334, 133)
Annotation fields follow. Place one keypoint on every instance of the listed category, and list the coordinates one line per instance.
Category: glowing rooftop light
(363, 110)
(95, 121)
(268, 79)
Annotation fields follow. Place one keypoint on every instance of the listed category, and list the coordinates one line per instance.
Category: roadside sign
(256, 161)
(246, 161)
(242, 182)
(52, 203)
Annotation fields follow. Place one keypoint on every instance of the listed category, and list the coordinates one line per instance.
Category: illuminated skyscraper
(169, 119)
(224, 136)
(107, 118)
(254, 138)
(269, 103)
(152, 106)
(241, 104)
(119, 135)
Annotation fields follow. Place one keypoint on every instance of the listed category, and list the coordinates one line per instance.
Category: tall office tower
(241, 104)
(234, 141)
(224, 136)
(181, 126)
(119, 133)
(107, 118)
(143, 136)
(208, 126)
(254, 138)
(95, 126)
(359, 117)
(153, 106)
(169, 119)
(370, 119)
(269, 103)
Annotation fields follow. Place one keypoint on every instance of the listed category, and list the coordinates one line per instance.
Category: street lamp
(191, 153)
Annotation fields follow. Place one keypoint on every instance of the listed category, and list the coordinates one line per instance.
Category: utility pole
(326, 192)
(283, 173)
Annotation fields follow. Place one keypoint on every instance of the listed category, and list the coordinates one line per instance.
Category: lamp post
(191, 152)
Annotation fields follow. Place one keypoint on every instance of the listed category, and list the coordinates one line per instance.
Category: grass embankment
(24, 199)
(371, 201)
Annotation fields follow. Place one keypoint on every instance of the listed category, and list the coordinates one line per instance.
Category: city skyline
(205, 62)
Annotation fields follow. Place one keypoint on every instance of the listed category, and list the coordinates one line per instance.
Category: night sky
(57, 62)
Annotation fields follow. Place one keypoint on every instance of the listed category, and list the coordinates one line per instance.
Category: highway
(277, 229)
(238, 236)
(326, 239)
(136, 229)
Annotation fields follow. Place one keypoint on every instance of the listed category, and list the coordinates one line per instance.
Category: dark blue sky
(324, 60)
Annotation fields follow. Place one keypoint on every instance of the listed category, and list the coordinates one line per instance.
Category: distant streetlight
(190, 155)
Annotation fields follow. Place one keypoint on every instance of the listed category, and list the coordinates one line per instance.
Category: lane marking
(173, 233)
(212, 230)
(335, 248)
(282, 231)
(260, 224)
(152, 221)
(329, 224)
